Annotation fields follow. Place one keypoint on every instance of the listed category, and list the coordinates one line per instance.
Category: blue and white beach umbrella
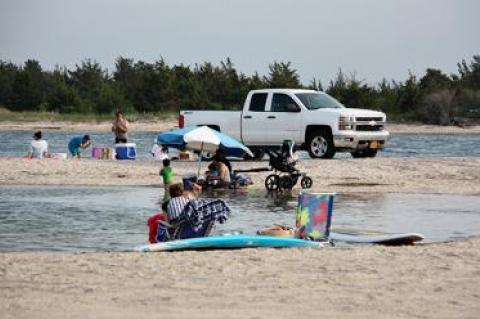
(203, 139)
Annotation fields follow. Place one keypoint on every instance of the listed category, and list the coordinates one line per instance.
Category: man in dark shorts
(120, 128)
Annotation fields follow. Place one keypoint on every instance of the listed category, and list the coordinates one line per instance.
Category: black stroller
(285, 175)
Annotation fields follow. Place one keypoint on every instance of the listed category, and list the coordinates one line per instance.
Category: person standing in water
(120, 128)
(167, 174)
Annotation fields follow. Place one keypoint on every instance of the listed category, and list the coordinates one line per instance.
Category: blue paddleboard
(231, 241)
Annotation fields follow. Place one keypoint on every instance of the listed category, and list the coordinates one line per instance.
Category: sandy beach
(438, 280)
(387, 175)
(431, 281)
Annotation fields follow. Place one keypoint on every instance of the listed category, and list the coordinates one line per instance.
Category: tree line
(137, 86)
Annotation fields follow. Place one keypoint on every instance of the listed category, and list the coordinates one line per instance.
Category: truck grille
(368, 119)
(369, 124)
(370, 128)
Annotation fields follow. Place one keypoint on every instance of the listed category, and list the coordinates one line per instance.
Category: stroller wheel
(306, 182)
(286, 182)
(272, 182)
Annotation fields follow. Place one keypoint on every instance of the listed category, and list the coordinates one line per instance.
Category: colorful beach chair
(313, 216)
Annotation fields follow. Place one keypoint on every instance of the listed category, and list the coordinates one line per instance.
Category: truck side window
(258, 101)
(283, 103)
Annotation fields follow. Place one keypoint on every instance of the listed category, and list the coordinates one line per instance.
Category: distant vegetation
(89, 91)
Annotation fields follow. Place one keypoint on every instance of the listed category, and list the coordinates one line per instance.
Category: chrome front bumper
(354, 140)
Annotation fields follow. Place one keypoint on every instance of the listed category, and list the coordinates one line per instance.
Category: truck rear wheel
(320, 144)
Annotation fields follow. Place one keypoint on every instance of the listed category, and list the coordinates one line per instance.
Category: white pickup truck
(314, 120)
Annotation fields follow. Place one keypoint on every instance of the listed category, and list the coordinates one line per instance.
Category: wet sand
(426, 281)
(392, 175)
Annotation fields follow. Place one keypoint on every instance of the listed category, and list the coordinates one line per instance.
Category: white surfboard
(374, 237)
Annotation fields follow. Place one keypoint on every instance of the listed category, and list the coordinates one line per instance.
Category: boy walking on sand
(167, 174)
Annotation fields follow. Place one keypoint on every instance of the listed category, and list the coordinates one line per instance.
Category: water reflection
(114, 218)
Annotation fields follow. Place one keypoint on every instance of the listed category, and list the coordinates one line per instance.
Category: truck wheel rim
(319, 146)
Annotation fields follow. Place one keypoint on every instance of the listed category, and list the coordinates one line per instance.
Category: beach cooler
(125, 151)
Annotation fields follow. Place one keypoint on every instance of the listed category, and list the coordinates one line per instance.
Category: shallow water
(114, 218)
(16, 143)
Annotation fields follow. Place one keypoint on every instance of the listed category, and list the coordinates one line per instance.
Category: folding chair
(313, 216)
(198, 220)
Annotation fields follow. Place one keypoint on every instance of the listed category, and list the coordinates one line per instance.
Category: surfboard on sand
(228, 242)
(374, 237)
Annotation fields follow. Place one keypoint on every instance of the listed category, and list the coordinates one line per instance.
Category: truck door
(284, 120)
(253, 120)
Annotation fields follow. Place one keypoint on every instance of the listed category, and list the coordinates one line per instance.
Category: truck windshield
(314, 101)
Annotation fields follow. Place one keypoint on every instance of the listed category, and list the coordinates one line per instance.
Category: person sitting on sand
(77, 143)
(120, 128)
(218, 171)
(38, 147)
(184, 155)
(159, 152)
(222, 158)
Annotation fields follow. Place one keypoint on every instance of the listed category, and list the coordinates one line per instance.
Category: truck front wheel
(320, 144)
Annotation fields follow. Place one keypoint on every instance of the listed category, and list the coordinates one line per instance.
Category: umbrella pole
(199, 161)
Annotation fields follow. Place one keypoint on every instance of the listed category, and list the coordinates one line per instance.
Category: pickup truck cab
(316, 122)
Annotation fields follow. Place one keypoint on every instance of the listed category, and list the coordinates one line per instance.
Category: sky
(374, 39)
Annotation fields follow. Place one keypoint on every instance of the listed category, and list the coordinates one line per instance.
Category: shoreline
(159, 126)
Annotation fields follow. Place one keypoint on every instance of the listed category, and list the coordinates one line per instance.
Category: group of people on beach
(177, 197)
(39, 146)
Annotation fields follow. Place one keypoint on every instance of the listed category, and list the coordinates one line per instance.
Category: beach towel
(200, 214)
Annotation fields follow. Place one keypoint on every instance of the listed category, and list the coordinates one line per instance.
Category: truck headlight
(345, 123)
